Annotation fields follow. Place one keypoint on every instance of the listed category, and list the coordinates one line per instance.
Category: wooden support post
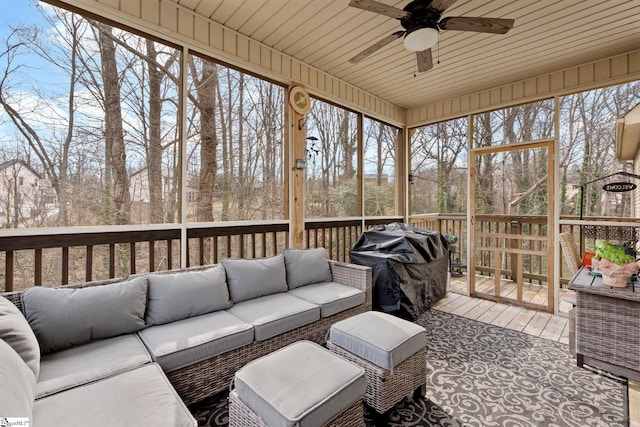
(297, 179)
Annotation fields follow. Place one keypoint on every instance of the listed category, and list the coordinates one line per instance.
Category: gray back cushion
(64, 317)
(183, 294)
(253, 278)
(17, 384)
(15, 331)
(306, 266)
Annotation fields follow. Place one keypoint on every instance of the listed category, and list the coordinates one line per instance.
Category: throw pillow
(253, 278)
(306, 266)
(67, 317)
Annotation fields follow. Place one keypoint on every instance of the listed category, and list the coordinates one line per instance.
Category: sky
(17, 12)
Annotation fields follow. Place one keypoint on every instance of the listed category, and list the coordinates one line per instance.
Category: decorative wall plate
(299, 100)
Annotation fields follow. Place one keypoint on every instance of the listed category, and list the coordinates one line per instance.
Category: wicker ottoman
(392, 352)
(302, 384)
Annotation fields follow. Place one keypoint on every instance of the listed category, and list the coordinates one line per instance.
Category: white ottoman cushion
(301, 385)
(380, 338)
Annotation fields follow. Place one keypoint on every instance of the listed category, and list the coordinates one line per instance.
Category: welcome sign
(619, 187)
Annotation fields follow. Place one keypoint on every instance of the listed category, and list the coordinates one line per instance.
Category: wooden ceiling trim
(150, 11)
(201, 30)
(207, 8)
(168, 17)
(622, 68)
(131, 8)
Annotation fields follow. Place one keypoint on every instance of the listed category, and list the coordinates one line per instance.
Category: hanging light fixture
(420, 39)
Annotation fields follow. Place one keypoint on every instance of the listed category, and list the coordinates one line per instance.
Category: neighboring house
(572, 191)
(372, 178)
(24, 194)
(139, 185)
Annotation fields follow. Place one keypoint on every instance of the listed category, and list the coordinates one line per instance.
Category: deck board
(537, 324)
(541, 324)
(553, 329)
(521, 320)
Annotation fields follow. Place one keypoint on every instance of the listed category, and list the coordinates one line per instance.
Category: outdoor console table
(607, 326)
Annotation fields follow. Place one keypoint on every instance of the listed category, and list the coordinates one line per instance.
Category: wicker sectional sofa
(124, 352)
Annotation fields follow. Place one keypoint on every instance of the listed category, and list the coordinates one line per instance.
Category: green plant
(612, 253)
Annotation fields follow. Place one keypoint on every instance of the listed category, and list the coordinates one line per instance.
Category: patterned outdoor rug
(484, 375)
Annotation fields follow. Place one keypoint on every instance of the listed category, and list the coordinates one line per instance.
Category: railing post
(515, 244)
(8, 262)
(517, 260)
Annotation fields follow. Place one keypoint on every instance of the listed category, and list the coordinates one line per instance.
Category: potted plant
(615, 265)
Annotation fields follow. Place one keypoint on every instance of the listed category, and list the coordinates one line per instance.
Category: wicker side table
(392, 352)
(607, 326)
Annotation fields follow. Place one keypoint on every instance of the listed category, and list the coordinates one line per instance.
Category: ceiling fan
(421, 22)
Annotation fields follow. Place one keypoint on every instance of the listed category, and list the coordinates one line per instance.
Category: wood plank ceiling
(548, 35)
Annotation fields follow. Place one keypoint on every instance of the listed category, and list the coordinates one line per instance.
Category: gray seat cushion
(66, 317)
(15, 331)
(332, 297)
(301, 385)
(96, 360)
(141, 397)
(17, 384)
(306, 266)
(182, 343)
(274, 314)
(252, 278)
(178, 295)
(378, 337)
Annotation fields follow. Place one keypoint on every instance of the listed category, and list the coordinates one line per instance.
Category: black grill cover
(409, 265)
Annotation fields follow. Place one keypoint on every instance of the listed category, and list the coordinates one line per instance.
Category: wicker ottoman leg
(421, 391)
(384, 389)
(240, 415)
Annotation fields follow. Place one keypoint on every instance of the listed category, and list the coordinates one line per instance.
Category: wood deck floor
(537, 323)
(531, 292)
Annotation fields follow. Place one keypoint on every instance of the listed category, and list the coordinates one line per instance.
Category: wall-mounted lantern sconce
(301, 164)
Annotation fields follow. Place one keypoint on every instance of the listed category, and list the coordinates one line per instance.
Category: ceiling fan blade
(381, 8)
(368, 51)
(442, 4)
(424, 60)
(479, 25)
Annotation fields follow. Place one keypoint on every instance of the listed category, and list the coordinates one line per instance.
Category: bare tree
(205, 77)
(53, 153)
(113, 132)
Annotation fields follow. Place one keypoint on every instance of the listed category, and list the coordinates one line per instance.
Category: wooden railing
(60, 256)
(616, 230)
(53, 257)
(209, 244)
(338, 236)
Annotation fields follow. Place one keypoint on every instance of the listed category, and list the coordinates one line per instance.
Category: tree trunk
(206, 89)
(244, 191)
(154, 154)
(114, 133)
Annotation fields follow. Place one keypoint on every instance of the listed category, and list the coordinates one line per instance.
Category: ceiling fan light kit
(421, 22)
(421, 39)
